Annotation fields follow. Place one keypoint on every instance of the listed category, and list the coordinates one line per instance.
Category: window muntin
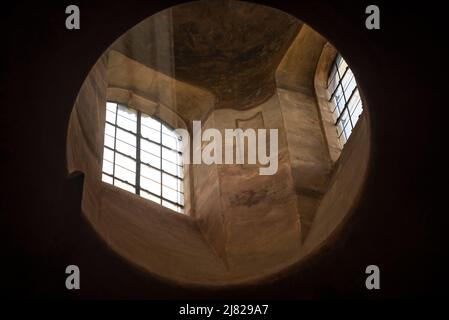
(345, 98)
(143, 155)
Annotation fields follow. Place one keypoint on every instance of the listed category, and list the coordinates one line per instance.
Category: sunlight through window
(142, 155)
(345, 97)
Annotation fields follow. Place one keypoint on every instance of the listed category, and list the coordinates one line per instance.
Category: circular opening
(221, 142)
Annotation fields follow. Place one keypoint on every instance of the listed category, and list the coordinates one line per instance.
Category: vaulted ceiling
(229, 48)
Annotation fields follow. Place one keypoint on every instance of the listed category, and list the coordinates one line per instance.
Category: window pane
(106, 178)
(109, 141)
(171, 206)
(149, 122)
(339, 129)
(149, 196)
(171, 156)
(126, 148)
(126, 124)
(169, 194)
(111, 106)
(342, 67)
(354, 101)
(151, 134)
(126, 137)
(125, 162)
(108, 167)
(335, 109)
(357, 112)
(338, 94)
(169, 141)
(110, 116)
(350, 87)
(125, 174)
(341, 104)
(127, 113)
(348, 130)
(150, 173)
(171, 168)
(344, 118)
(123, 137)
(152, 160)
(109, 130)
(347, 79)
(168, 131)
(150, 185)
(181, 198)
(108, 154)
(172, 182)
(150, 147)
(124, 186)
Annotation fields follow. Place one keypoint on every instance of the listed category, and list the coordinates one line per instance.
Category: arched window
(345, 97)
(143, 155)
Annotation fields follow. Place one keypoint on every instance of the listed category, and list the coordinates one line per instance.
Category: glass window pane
(171, 168)
(125, 174)
(125, 162)
(338, 93)
(152, 160)
(108, 167)
(180, 146)
(149, 122)
(150, 185)
(181, 198)
(150, 173)
(347, 79)
(170, 194)
(344, 118)
(126, 137)
(342, 67)
(150, 147)
(350, 87)
(169, 141)
(171, 206)
(106, 178)
(335, 109)
(357, 112)
(108, 154)
(149, 196)
(348, 130)
(171, 156)
(122, 138)
(109, 130)
(151, 134)
(127, 113)
(127, 124)
(170, 182)
(168, 131)
(111, 106)
(354, 101)
(341, 105)
(125, 148)
(109, 141)
(124, 186)
(110, 116)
